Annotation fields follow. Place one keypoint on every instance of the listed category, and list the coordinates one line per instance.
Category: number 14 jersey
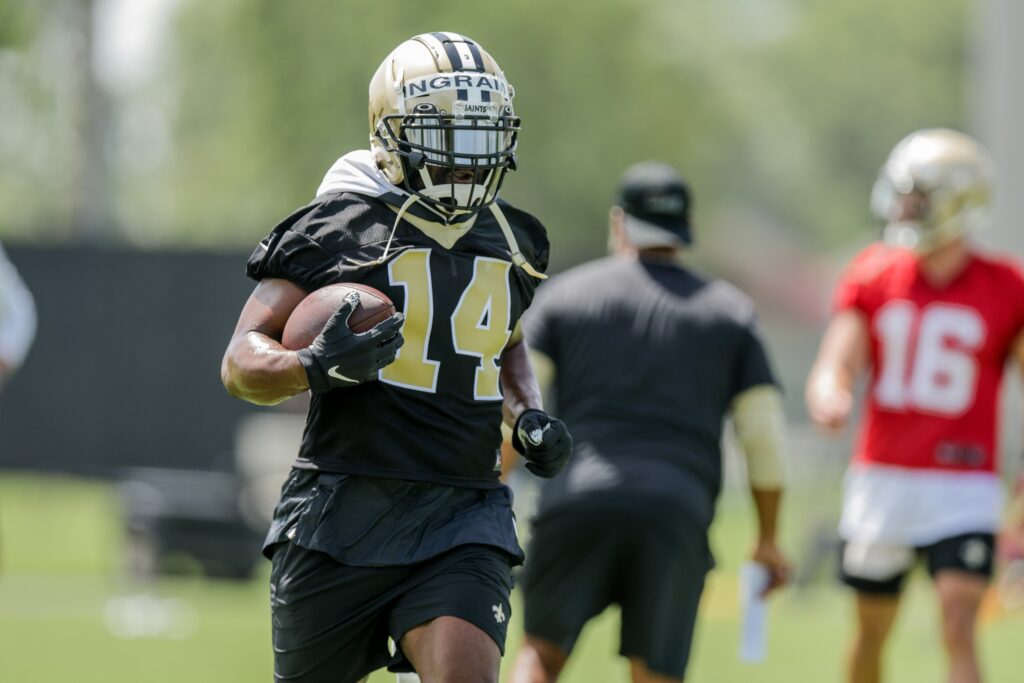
(435, 413)
(937, 358)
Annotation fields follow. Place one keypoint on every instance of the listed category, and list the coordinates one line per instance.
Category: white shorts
(906, 508)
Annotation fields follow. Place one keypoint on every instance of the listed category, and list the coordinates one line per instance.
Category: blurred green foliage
(17, 23)
(779, 111)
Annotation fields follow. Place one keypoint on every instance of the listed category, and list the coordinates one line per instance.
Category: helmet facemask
(455, 143)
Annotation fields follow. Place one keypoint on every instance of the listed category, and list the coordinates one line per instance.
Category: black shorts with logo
(650, 558)
(332, 622)
(357, 562)
(971, 553)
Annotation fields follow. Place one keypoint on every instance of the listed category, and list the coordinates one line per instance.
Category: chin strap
(517, 256)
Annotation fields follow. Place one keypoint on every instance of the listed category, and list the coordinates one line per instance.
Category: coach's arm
(760, 426)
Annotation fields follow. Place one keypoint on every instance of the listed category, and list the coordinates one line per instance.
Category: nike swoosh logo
(333, 372)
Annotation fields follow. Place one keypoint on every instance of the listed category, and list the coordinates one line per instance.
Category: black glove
(339, 357)
(544, 441)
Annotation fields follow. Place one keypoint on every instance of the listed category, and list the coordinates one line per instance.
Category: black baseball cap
(654, 193)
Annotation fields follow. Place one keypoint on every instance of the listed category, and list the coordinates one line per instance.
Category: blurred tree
(89, 200)
(18, 23)
(53, 122)
(779, 111)
(34, 131)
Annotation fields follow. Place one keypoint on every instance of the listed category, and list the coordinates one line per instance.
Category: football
(313, 312)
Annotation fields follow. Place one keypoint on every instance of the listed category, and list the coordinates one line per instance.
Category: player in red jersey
(932, 323)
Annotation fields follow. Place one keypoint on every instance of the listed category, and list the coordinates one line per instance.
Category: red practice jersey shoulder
(866, 275)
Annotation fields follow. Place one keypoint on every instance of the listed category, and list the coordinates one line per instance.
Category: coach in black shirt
(648, 359)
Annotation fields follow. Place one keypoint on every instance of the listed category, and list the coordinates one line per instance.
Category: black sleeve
(542, 254)
(322, 243)
(752, 368)
(291, 256)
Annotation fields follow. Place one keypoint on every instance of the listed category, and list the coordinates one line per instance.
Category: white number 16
(928, 357)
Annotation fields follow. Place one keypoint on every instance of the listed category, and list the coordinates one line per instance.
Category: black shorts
(331, 622)
(971, 553)
(649, 558)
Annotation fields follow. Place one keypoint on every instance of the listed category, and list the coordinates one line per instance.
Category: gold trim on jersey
(445, 235)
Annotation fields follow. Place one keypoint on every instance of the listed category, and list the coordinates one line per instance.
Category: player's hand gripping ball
(544, 441)
(353, 345)
(311, 315)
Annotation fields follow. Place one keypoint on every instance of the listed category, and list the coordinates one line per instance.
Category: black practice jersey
(649, 357)
(435, 413)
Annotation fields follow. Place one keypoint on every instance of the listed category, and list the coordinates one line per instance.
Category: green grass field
(68, 613)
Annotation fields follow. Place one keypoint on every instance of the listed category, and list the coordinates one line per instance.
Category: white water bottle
(754, 578)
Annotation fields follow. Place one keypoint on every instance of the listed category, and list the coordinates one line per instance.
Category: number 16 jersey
(925, 464)
(937, 357)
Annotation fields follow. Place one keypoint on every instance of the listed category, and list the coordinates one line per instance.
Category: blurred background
(146, 146)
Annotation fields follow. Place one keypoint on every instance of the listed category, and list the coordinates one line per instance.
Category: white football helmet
(442, 125)
(935, 186)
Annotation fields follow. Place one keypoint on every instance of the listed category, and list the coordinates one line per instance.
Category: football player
(647, 359)
(393, 523)
(931, 322)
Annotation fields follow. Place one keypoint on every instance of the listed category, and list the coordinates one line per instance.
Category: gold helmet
(935, 186)
(442, 125)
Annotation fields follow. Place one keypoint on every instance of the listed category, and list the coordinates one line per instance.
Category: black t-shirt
(435, 414)
(649, 357)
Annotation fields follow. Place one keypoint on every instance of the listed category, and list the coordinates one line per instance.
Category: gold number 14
(481, 323)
